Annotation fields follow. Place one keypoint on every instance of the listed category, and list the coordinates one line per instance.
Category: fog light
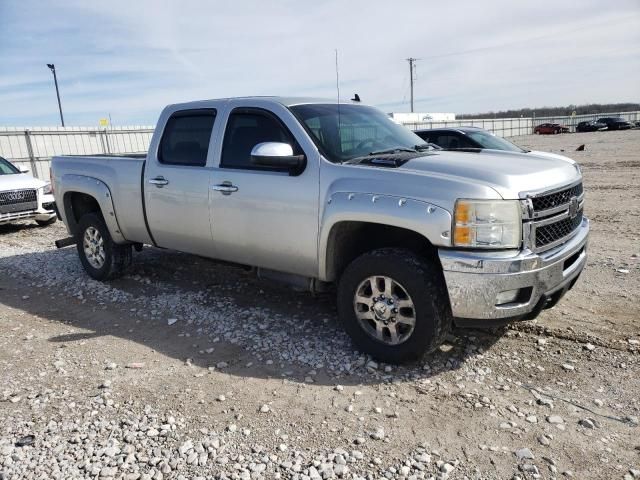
(508, 296)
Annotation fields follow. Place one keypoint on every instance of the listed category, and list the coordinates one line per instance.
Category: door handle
(225, 188)
(159, 181)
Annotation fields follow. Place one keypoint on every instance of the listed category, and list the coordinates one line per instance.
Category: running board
(299, 282)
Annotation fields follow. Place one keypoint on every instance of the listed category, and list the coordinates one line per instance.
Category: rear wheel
(394, 305)
(101, 258)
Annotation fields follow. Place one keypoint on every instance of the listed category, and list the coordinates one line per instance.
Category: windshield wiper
(393, 150)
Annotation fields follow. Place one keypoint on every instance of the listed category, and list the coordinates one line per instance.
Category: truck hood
(19, 181)
(506, 172)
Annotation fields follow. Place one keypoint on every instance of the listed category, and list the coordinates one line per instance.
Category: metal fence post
(32, 158)
(104, 140)
(106, 136)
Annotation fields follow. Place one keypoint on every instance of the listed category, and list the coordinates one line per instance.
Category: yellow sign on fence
(104, 122)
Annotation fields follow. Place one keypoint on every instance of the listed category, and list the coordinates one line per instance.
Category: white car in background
(23, 197)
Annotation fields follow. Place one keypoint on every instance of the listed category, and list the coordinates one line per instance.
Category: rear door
(176, 182)
(260, 216)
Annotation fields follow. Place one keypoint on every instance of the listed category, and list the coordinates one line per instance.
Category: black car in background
(615, 123)
(590, 126)
(466, 138)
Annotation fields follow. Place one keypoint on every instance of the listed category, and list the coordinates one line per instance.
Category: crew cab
(23, 197)
(337, 196)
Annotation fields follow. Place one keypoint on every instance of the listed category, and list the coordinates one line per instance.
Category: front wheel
(101, 258)
(394, 305)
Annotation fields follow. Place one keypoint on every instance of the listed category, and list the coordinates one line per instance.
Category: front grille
(18, 200)
(547, 234)
(553, 200)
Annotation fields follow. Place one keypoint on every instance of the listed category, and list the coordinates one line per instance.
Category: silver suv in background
(337, 196)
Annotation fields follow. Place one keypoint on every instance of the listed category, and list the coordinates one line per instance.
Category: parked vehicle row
(334, 195)
(23, 197)
(603, 123)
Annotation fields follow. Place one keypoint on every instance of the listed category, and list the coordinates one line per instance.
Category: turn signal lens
(463, 213)
(462, 235)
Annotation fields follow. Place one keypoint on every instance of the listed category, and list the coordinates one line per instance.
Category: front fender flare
(430, 221)
(100, 192)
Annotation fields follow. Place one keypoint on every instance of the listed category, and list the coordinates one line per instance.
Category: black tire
(117, 258)
(423, 281)
(46, 223)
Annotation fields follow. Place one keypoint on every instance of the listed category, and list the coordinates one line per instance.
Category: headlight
(46, 190)
(487, 224)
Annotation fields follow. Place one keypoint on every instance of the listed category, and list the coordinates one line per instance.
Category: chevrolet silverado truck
(331, 195)
(23, 197)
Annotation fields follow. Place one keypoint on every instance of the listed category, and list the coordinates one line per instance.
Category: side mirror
(23, 169)
(278, 155)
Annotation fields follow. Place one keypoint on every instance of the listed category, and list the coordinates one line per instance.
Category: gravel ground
(187, 368)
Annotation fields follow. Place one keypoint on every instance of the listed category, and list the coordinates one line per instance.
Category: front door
(176, 183)
(260, 216)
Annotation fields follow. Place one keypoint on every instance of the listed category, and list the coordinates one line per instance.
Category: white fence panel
(33, 147)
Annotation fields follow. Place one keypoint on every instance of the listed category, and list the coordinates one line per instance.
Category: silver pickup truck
(322, 194)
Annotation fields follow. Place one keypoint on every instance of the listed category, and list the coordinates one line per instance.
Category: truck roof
(286, 101)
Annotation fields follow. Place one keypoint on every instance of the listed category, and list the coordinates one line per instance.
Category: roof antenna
(356, 98)
(337, 77)
(338, 89)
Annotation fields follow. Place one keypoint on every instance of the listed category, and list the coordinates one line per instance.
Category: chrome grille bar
(553, 217)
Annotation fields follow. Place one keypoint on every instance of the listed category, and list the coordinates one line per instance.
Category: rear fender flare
(100, 192)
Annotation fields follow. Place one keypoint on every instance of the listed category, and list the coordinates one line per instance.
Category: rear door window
(186, 137)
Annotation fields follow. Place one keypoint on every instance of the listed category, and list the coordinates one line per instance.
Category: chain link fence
(33, 148)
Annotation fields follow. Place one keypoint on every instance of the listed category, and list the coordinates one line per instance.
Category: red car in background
(550, 129)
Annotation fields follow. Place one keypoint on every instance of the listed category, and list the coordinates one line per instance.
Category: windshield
(346, 131)
(6, 168)
(493, 142)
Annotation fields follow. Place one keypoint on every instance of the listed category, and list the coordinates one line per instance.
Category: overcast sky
(130, 58)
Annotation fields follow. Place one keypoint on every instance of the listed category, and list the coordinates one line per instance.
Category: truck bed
(120, 172)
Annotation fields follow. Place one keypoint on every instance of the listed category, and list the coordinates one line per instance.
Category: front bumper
(44, 212)
(476, 279)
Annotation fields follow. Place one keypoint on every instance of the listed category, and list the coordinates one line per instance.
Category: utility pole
(412, 67)
(52, 67)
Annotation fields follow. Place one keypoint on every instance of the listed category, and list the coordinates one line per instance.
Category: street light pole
(52, 67)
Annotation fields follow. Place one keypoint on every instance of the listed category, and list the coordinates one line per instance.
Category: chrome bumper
(475, 279)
